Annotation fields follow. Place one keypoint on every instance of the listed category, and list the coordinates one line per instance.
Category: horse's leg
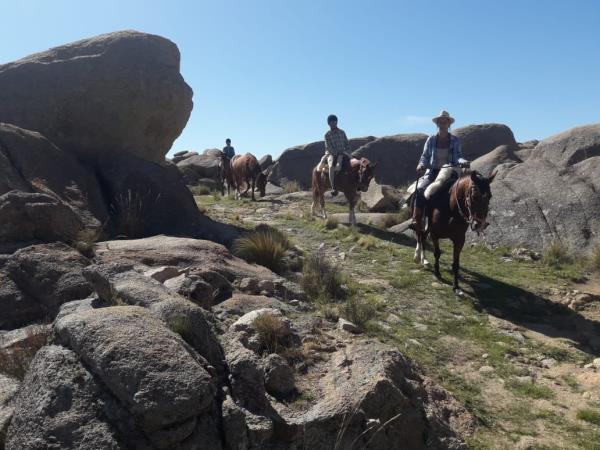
(459, 242)
(351, 215)
(436, 252)
(322, 203)
(253, 183)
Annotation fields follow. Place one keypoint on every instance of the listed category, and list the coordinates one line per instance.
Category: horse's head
(366, 171)
(477, 198)
(261, 183)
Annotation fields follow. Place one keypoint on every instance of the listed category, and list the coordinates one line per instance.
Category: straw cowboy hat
(443, 115)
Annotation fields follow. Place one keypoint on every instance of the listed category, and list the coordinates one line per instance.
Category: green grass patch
(589, 415)
(530, 390)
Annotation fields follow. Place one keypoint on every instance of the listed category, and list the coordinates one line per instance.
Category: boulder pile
(134, 364)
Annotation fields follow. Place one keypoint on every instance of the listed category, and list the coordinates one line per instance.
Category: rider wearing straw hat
(440, 149)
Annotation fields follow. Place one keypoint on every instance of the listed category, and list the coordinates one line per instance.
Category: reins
(468, 219)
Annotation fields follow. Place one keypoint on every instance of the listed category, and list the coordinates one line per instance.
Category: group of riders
(441, 151)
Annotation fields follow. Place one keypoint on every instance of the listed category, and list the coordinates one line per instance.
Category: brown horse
(451, 213)
(245, 169)
(225, 174)
(355, 176)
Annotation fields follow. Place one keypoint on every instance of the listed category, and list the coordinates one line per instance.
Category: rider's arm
(425, 159)
(458, 157)
(346, 143)
(327, 143)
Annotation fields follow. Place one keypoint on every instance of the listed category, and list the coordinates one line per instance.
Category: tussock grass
(595, 259)
(331, 223)
(128, 211)
(291, 186)
(321, 280)
(14, 362)
(557, 255)
(265, 246)
(199, 190)
(589, 415)
(359, 310)
(270, 328)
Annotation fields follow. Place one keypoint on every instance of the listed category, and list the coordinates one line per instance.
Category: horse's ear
(474, 176)
(492, 176)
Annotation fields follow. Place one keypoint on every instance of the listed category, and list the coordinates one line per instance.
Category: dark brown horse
(225, 174)
(245, 169)
(355, 176)
(451, 213)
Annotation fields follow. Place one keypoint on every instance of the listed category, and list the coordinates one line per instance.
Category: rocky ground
(519, 351)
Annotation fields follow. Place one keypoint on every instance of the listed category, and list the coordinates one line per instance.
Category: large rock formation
(297, 163)
(118, 92)
(552, 195)
(397, 156)
(86, 155)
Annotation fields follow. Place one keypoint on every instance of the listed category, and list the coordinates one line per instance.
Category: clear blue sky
(267, 73)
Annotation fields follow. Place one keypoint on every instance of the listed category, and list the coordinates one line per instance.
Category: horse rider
(336, 144)
(440, 149)
(228, 150)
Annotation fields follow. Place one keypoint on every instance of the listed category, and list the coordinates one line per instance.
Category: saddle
(345, 166)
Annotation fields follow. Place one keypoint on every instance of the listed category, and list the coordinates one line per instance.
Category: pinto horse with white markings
(451, 213)
(352, 179)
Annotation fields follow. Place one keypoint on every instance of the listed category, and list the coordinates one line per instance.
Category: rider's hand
(420, 169)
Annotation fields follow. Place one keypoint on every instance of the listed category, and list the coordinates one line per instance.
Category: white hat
(443, 115)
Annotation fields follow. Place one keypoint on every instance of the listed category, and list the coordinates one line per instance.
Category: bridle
(468, 218)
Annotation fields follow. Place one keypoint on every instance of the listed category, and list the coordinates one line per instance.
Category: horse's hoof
(426, 263)
(458, 292)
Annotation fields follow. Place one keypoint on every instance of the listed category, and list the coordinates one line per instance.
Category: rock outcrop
(381, 198)
(118, 92)
(551, 196)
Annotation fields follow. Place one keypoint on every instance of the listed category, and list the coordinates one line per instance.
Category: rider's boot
(417, 219)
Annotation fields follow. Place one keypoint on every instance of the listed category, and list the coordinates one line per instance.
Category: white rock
(549, 362)
(246, 322)
(486, 369)
(163, 273)
(346, 325)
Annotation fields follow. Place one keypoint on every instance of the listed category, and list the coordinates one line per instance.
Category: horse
(450, 214)
(355, 176)
(245, 169)
(225, 174)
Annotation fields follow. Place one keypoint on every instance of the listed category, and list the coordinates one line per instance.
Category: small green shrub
(321, 280)
(531, 390)
(199, 190)
(15, 361)
(589, 415)
(368, 242)
(359, 310)
(265, 246)
(291, 186)
(595, 259)
(557, 255)
(331, 223)
(270, 328)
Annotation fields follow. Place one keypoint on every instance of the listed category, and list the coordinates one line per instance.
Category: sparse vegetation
(595, 259)
(270, 328)
(331, 223)
(291, 186)
(589, 415)
(199, 189)
(390, 220)
(321, 280)
(531, 390)
(15, 361)
(359, 310)
(181, 325)
(85, 241)
(128, 212)
(557, 255)
(265, 246)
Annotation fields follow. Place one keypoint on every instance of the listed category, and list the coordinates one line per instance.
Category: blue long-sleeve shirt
(428, 158)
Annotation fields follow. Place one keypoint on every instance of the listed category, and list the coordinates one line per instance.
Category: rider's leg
(331, 160)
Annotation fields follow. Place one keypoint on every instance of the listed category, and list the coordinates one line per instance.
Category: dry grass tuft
(291, 186)
(595, 259)
(557, 255)
(15, 361)
(331, 223)
(359, 310)
(321, 280)
(129, 210)
(265, 246)
(270, 328)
